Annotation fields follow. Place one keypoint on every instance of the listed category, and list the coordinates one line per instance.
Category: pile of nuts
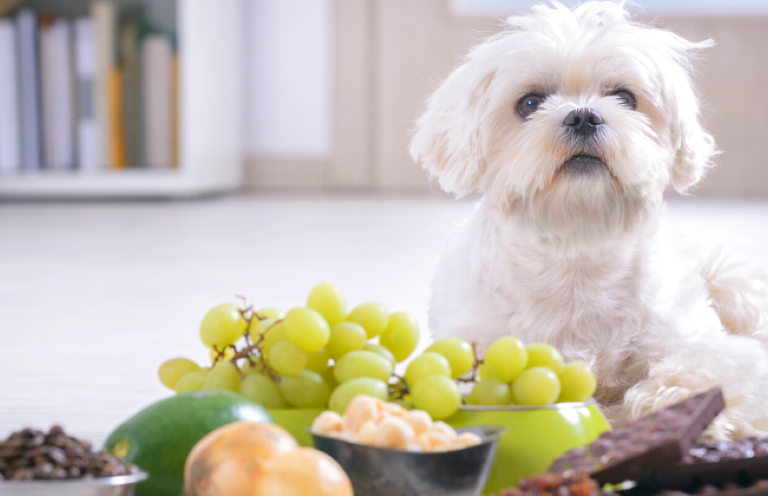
(33, 454)
(371, 421)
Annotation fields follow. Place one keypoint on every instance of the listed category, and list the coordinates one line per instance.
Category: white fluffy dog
(572, 123)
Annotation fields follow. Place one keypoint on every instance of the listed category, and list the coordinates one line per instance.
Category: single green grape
(344, 393)
(263, 391)
(345, 337)
(307, 328)
(536, 387)
(490, 392)
(329, 301)
(273, 331)
(578, 382)
(223, 375)
(401, 335)
(380, 350)
(191, 381)
(330, 378)
(506, 358)
(544, 355)
(305, 390)
(287, 358)
(318, 361)
(425, 365)
(438, 395)
(255, 366)
(458, 352)
(172, 370)
(481, 372)
(373, 317)
(222, 326)
(362, 364)
(269, 313)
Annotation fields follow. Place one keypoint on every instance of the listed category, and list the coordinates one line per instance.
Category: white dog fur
(582, 260)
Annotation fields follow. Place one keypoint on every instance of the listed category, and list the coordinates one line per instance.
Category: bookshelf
(210, 160)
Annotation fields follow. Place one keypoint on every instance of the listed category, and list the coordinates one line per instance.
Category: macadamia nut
(395, 433)
(326, 423)
(371, 421)
(360, 409)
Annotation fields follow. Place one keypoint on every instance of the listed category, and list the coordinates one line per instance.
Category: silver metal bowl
(123, 485)
(383, 472)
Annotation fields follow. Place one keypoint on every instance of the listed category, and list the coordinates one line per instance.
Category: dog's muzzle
(583, 164)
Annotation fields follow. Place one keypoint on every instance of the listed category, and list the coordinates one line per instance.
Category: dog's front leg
(738, 364)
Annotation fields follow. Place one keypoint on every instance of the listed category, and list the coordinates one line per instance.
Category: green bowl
(535, 436)
(296, 421)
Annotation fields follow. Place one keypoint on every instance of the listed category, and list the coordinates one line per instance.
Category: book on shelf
(29, 89)
(157, 82)
(103, 15)
(129, 59)
(58, 94)
(85, 79)
(10, 139)
(118, 159)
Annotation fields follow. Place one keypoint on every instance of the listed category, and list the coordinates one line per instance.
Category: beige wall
(389, 55)
(732, 81)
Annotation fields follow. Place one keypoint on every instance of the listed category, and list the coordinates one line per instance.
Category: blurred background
(159, 157)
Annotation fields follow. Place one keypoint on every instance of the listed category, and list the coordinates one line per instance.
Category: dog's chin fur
(578, 212)
(568, 244)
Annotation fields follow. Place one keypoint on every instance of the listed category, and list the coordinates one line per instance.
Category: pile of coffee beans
(33, 454)
(563, 484)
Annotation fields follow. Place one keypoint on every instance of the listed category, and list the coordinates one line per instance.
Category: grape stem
(399, 388)
(472, 374)
(251, 349)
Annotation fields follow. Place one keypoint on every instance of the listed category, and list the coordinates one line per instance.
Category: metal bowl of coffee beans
(34, 462)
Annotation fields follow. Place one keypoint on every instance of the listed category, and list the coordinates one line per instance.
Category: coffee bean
(23, 474)
(43, 471)
(59, 473)
(9, 452)
(57, 455)
(17, 442)
(36, 441)
(21, 463)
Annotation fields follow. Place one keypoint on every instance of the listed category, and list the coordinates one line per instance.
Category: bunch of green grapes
(532, 375)
(314, 356)
(511, 373)
(321, 356)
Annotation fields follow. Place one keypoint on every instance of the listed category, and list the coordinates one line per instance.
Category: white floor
(93, 296)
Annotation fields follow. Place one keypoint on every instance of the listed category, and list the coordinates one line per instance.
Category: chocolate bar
(709, 463)
(652, 442)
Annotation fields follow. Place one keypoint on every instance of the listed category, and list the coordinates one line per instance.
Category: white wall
(288, 78)
(699, 7)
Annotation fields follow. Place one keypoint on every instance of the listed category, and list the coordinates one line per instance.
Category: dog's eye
(529, 104)
(626, 98)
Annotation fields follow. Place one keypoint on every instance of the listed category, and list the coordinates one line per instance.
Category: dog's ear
(448, 141)
(694, 147)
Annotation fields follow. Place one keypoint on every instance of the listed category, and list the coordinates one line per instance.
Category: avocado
(159, 438)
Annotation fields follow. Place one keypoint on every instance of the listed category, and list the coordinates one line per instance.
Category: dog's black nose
(583, 121)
